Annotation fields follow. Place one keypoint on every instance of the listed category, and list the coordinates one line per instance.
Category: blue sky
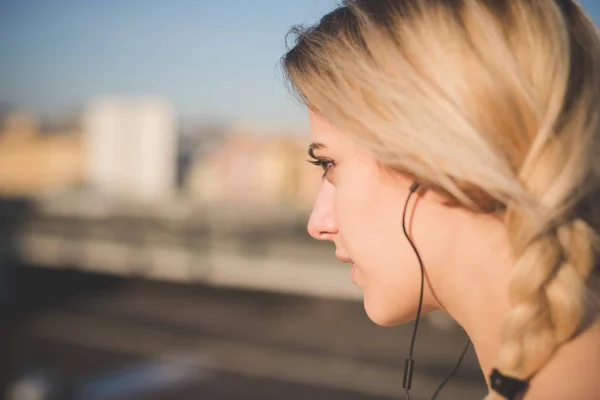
(211, 58)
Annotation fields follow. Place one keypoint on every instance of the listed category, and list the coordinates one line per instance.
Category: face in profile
(359, 208)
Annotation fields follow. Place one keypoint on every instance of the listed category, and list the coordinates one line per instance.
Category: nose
(321, 224)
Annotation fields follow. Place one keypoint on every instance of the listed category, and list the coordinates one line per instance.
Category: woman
(491, 108)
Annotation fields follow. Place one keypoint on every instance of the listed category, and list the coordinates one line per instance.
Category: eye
(324, 163)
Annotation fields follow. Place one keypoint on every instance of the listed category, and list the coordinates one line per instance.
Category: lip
(345, 260)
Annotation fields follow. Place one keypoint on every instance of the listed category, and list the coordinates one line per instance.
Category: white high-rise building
(132, 148)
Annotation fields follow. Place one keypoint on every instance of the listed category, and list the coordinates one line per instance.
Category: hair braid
(552, 241)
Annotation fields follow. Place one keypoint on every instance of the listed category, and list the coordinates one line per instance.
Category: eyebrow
(315, 146)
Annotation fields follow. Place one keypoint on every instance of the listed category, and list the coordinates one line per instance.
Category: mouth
(345, 260)
(348, 260)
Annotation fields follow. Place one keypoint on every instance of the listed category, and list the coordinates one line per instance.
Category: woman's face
(359, 208)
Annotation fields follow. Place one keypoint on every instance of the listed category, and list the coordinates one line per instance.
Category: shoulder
(573, 372)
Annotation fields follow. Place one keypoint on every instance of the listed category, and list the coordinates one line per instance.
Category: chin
(384, 316)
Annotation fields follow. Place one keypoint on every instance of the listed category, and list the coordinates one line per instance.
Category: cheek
(355, 208)
(369, 218)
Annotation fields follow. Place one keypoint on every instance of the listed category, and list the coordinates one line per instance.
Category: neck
(477, 296)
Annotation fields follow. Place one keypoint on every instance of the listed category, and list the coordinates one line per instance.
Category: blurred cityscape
(132, 150)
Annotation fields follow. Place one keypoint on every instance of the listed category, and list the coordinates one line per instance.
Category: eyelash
(325, 164)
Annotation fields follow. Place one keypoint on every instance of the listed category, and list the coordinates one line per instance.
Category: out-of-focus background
(154, 195)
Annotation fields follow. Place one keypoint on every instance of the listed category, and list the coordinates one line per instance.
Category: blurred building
(132, 148)
(31, 163)
(246, 167)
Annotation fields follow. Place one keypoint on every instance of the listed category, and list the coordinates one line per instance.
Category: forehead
(322, 131)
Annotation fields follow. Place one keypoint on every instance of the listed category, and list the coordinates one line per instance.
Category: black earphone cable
(409, 362)
(462, 355)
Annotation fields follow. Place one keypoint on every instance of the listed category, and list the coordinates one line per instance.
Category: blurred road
(107, 338)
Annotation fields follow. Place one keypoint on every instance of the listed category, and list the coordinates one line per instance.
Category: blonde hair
(493, 103)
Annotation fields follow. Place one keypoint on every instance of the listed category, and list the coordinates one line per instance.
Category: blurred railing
(233, 245)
